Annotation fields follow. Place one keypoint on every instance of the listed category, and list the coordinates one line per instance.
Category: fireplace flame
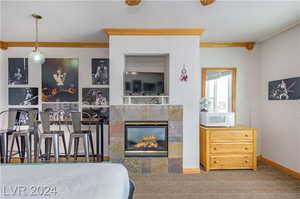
(147, 142)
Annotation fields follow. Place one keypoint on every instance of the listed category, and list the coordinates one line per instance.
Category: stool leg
(56, 147)
(86, 147)
(65, 146)
(28, 151)
(76, 144)
(40, 148)
(70, 145)
(12, 147)
(92, 146)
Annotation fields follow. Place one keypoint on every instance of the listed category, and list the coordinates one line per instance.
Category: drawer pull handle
(246, 135)
(246, 161)
(215, 162)
(215, 148)
(246, 148)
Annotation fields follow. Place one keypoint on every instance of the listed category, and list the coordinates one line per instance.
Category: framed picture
(17, 71)
(60, 111)
(96, 113)
(127, 86)
(23, 115)
(137, 86)
(60, 80)
(95, 96)
(285, 89)
(23, 96)
(149, 87)
(100, 71)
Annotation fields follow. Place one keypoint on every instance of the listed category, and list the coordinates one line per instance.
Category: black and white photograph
(100, 71)
(285, 89)
(60, 111)
(17, 71)
(95, 96)
(96, 113)
(23, 96)
(23, 115)
(60, 80)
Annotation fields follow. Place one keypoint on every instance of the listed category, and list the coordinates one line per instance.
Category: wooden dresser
(228, 148)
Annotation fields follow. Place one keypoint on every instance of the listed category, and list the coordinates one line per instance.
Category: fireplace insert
(146, 139)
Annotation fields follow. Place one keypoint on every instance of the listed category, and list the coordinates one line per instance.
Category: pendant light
(36, 56)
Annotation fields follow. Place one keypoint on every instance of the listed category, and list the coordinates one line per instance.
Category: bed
(66, 180)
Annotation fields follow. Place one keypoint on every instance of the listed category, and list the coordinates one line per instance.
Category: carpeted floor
(266, 183)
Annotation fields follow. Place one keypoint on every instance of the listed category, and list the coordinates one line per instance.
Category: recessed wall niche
(146, 75)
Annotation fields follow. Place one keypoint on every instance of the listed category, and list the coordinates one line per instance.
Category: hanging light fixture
(36, 56)
(207, 2)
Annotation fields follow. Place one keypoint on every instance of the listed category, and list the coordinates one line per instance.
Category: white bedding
(69, 180)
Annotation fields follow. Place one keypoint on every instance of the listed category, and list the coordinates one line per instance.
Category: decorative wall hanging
(100, 71)
(60, 111)
(23, 96)
(96, 113)
(60, 80)
(95, 96)
(17, 71)
(285, 89)
(23, 115)
(184, 74)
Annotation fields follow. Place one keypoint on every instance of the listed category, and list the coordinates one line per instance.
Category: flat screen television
(143, 83)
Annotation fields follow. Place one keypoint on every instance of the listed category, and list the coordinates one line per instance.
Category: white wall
(280, 59)
(83, 54)
(2, 69)
(248, 81)
(181, 50)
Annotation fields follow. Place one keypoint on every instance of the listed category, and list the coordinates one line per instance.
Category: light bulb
(36, 57)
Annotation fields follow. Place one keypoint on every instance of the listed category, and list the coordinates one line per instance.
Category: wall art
(17, 71)
(100, 71)
(23, 96)
(60, 111)
(96, 113)
(60, 80)
(285, 89)
(95, 96)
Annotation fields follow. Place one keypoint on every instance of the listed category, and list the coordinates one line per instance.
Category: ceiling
(82, 21)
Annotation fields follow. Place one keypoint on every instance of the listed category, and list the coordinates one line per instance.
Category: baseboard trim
(191, 171)
(280, 167)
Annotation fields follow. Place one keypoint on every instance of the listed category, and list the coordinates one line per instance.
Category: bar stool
(51, 136)
(8, 126)
(25, 135)
(78, 133)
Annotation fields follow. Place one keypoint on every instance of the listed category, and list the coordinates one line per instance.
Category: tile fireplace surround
(119, 114)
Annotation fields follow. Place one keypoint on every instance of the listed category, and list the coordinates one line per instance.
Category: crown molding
(247, 45)
(5, 45)
(153, 32)
(59, 44)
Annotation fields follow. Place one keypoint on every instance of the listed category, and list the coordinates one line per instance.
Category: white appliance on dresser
(216, 119)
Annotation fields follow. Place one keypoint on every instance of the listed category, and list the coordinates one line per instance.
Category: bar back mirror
(219, 89)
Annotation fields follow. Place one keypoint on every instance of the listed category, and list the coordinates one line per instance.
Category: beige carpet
(266, 183)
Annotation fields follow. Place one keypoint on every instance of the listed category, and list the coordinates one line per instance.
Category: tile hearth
(120, 114)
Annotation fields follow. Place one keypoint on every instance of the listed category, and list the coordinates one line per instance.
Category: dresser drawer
(222, 148)
(231, 162)
(231, 135)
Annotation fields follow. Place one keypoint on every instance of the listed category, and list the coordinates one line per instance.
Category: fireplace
(146, 139)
